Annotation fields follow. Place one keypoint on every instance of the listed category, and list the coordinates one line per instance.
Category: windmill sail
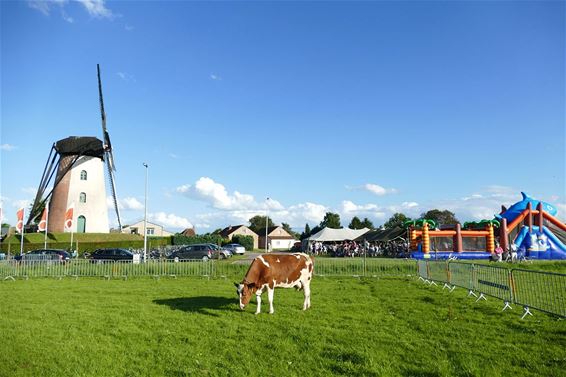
(108, 150)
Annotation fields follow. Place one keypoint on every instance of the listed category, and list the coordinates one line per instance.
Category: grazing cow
(270, 271)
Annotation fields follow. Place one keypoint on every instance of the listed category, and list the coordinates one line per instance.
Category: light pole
(266, 222)
(145, 217)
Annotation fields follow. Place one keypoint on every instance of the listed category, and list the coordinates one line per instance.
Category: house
(153, 229)
(278, 238)
(242, 230)
(189, 232)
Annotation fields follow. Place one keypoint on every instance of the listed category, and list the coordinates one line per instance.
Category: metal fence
(544, 291)
(370, 267)
(13, 269)
(539, 290)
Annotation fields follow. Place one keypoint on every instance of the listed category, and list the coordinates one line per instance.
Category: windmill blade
(102, 113)
(105, 134)
(108, 156)
(114, 196)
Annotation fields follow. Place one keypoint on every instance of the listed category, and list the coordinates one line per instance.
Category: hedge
(246, 241)
(152, 242)
(179, 239)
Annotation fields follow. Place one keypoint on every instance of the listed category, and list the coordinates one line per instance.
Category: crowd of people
(392, 249)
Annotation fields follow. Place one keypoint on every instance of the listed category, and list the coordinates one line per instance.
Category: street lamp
(266, 222)
(145, 217)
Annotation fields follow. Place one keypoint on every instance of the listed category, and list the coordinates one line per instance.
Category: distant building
(189, 232)
(279, 238)
(153, 229)
(243, 230)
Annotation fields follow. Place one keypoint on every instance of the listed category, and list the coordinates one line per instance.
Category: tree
(367, 223)
(396, 220)
(307, 232)
(331, 220)
(257, 224)
(356, 223)
(288, 229)
(441, 217)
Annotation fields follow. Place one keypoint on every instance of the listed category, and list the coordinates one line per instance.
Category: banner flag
(20, 223)
(42, 226)
(69, 217)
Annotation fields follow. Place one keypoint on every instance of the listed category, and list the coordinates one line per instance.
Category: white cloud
(128, 27)
(7, 147)
(374, 189)
(409, 204)
(126, 77)
(32, 191)
(126, 203)
(170, 220)
(42, 6)
(207, 190)
(97, 9)
(173, 155)
(215, 77)
(66, 17)
(131, 204)
(378, 190)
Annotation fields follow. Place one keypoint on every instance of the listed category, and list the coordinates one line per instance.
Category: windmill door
(81, 224)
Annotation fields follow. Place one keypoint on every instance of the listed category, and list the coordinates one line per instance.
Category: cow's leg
(258, 299)
(270, 298)
(307, 290)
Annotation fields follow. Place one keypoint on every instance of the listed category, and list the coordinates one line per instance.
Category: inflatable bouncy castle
(531, 228)
(528, 227)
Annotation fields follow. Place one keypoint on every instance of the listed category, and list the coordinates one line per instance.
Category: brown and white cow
(270, 271)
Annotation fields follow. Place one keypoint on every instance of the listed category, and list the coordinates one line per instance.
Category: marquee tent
(383, 235)
(329, 234)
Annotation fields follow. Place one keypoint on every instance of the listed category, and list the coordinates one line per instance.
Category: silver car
(235, 248)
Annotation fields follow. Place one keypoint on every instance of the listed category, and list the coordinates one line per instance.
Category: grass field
(193, 327)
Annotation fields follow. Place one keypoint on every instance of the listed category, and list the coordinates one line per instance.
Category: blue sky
(360, 108)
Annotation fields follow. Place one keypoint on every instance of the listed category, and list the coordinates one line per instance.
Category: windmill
(77, 164)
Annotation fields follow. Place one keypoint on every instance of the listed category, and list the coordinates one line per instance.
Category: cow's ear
(237, 285)
(250, 285)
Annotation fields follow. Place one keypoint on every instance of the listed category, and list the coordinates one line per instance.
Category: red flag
(69, 217)
(20, 223)
(42, 226)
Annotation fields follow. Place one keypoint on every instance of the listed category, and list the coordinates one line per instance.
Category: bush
(179, 239)
(246, 241)
(85, 246)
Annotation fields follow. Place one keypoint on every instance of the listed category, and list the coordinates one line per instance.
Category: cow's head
(245, 291)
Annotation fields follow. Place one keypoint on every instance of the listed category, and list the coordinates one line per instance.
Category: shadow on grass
(200, 304)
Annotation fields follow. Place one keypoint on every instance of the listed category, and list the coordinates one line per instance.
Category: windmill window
(82, 197)
(83, 175)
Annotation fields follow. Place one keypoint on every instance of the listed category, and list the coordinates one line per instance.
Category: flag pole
(71, 239)
(46, 224)
(22, 232)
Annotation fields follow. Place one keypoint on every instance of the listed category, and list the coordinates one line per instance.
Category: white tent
(329, 234)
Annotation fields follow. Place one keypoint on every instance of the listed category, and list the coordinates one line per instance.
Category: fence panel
(545, 291)
(361, 267)
(461, 274)
(438, 271)
(493, 281)
(422, 269)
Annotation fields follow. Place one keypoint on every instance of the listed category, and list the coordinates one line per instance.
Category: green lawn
(193, 327)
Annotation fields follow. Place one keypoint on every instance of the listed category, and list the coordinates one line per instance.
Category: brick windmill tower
(78, 165)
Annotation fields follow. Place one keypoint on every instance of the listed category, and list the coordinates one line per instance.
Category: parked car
(111, 254)
(235, 248)
(224, 253)
(199, 251)
(45, 255)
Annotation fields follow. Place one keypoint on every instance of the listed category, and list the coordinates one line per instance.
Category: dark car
(45, 255)
(200, 251)
(112, 254)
